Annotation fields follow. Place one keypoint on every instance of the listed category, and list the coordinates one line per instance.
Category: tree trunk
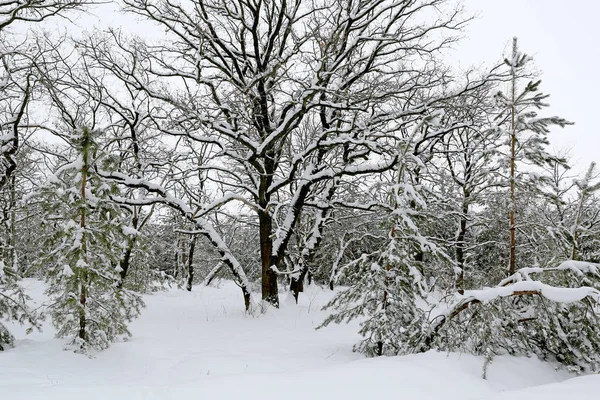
(460, 244)
(308, 253)
(213, 274)
(83, 277)
(297, 284)
(82, 322)
(190, 262)
(125, 261)
(246, 295)
(269, 276)
(513, 143)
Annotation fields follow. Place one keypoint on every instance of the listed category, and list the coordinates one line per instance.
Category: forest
(281, 145)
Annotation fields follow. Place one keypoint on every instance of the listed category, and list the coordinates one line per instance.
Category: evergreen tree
(83, 272)
(13, 305)
(388, 284)
(526, 130)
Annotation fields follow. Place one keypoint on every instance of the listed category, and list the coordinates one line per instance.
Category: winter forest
(305, 183)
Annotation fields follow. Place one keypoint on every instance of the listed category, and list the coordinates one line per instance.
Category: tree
(331, 82)
(524, 315)
(18, 59)
(527, 132)
(88, 304)
(17, 78)
(388, 283)
(472, 161)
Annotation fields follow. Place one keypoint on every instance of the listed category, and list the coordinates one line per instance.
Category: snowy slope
(201, 345)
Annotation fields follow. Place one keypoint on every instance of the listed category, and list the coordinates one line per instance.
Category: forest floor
(201, 345)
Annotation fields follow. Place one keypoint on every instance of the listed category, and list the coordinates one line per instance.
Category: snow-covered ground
(200, 345)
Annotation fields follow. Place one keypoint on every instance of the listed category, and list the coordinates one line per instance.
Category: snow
(201, 344)
(129, 231)
(558, 294)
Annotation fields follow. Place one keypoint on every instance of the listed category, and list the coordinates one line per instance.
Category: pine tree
(526, 130)
(388, 284)
(13, 305)
(548, 312)
(83, 271)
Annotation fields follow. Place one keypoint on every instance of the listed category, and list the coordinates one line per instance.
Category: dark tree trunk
(83, 276)
(379, 350)
(460, 245)
(190, 264)
(82, 322)
(269, 276)
(246, 294)
(297, 284)
(177, 259)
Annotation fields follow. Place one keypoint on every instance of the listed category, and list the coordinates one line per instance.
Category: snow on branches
(557, 320)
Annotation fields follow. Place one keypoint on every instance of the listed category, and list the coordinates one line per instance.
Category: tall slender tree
(527, 132)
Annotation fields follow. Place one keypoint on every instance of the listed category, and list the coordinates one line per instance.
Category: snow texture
(200, 344)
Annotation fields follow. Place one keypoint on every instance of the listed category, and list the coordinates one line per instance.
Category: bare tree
(18, 55)
(283, 99)
(472, 155)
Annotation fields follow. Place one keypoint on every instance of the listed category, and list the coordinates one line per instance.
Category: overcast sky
(563, 36)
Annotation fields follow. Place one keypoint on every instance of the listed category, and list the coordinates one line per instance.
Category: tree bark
(125, 261)
(190, 262)
(83, 276)
(213, 274)
(460, 244)
(269, 276)
(297, 283)
(513, 142)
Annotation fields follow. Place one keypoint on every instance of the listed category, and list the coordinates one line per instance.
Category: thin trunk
(513, 142)
(213, 274)
(313, 243)
(462, 230)
(83, 291)
(12, 239)
(575, 230)
(190, 264)
(125, 261)
(460, 245)
(297, 282)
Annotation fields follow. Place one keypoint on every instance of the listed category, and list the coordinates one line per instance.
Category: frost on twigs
(549, 312)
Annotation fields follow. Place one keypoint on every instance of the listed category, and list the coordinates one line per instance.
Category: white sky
(562, 36)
